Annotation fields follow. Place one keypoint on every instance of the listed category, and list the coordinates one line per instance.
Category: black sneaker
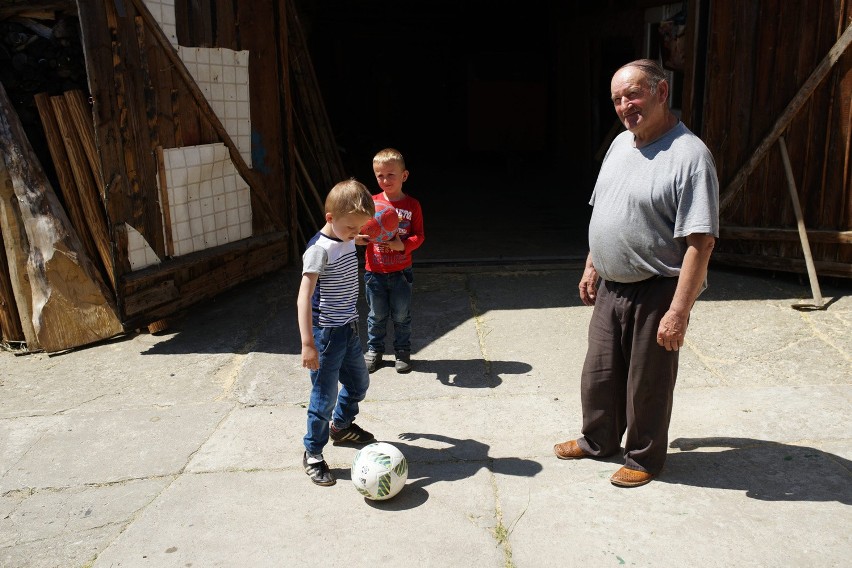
(373, 359)
(403, 362)
(354, 434)
(318, 472)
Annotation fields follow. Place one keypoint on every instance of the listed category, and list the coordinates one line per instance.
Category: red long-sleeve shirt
(382, 259)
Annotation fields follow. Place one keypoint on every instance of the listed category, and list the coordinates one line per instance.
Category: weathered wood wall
(142, 100)
(759, 54)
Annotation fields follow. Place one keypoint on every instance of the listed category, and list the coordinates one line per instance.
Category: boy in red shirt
(388, 278)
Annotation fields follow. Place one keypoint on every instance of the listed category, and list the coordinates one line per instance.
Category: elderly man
(654, 222)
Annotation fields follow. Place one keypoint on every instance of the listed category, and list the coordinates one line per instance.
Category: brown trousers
(628, 380)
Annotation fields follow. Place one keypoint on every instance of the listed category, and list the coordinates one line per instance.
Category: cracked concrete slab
(184, 447)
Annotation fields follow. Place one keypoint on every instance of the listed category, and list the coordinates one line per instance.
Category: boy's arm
(415, 232)
(310, 357)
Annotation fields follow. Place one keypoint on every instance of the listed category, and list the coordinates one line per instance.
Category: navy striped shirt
(335, 298)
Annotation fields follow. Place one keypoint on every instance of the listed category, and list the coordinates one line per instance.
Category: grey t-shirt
(647, 201)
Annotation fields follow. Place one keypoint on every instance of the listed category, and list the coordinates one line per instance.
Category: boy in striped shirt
(328, 325)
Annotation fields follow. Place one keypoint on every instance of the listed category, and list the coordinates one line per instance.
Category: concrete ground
(184, 448)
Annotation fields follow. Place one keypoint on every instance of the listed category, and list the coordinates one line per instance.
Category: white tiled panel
(139, 252)
(209, 202)
(164, 12)
(222, 75)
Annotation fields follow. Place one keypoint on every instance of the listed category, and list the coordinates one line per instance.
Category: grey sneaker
(403, 362)
(373, 359)
(318, 472)
(353, 434)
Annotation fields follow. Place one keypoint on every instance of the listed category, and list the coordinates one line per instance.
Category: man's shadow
(469, 373)
(458, 459)
(765, 470)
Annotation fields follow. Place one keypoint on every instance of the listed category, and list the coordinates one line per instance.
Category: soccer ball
(379, 471)
(384, 224)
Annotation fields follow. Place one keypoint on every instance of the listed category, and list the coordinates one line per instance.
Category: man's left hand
(672, 330)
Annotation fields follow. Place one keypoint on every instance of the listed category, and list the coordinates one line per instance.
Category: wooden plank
(226, 24)
(803, 235)
(202, 275)
(823, 268)
(183, 23)
(256, 22)
(81, 117)
(727, 232)
(96, 38)
(286, 89)
(835, 210)
(722, 34)
(204, 21)
(70, 307)
(164, 204)
(161, 76)
(16, 250)
(10, 321)
(784, 120)
(765, 97)
(136, 135)
(157, 295)
(153, 228)
(744, 64)
(86, 188)
(67, 185)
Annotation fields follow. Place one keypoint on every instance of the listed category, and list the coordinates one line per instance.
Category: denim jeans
(389, 295)
(341, 359)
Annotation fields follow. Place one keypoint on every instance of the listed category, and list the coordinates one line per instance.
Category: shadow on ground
(457, 459)
(467, 373)
(260, 316)
(765, 470)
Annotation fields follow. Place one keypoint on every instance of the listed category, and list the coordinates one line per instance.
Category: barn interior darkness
(499, 107)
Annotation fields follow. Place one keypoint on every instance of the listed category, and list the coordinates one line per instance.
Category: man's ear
(663, 90)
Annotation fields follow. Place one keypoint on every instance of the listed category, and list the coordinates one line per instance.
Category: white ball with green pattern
(379, 471)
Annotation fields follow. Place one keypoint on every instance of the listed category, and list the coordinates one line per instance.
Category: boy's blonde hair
(389, 155)
(350, 196)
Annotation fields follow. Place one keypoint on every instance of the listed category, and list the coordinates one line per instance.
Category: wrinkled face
(390, 177)
(640, 111)
(345, 227)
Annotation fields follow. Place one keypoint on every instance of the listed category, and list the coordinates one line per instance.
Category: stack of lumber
(58, 293)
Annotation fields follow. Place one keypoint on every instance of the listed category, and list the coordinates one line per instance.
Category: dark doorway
(499, 108)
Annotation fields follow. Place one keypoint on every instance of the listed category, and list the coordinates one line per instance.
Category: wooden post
(800, 221)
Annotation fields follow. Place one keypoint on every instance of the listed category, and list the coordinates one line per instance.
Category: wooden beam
(62, 165)
(81, 117)
(786, 117)
(784, 264)
(10, 321)
(16, 251)
(800, 221)
(87, 190)
(159, 292)
(770, 234)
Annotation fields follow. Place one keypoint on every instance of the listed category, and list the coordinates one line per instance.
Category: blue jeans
(389, 295)
(341, 359)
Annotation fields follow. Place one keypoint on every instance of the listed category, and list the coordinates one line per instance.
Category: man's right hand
(589, 283)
